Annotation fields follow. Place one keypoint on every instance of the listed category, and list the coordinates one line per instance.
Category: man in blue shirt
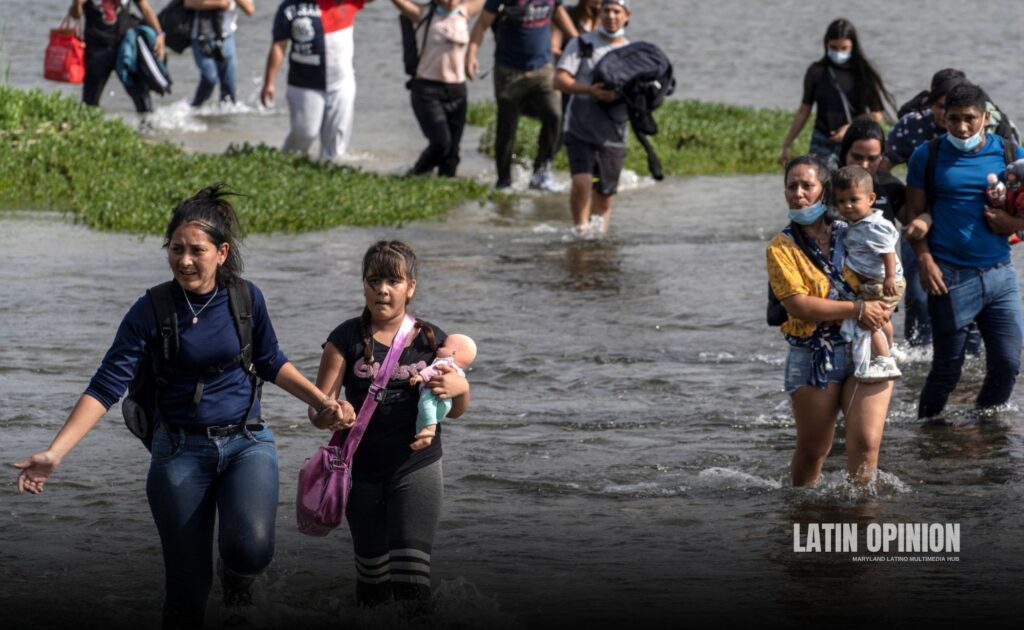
(523, 78)
(965, 260)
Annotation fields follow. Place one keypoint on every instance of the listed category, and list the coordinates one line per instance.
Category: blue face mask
(839, 58)
(808, 215)
(969, 144)
(619, 33)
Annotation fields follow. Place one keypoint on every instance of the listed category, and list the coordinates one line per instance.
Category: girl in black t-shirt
(840, 86)
(395, 501)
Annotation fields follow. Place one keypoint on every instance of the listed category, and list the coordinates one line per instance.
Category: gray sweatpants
(393, 523)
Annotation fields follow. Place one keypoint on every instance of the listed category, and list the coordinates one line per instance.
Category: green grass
(694, 138)
(56, 154)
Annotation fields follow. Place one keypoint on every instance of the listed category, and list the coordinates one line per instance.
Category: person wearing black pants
(106, 22)
(440, 109)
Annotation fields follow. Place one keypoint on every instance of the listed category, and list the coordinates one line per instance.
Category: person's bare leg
(866, 408)
(815, 412)
(579, 198)
(601, 206)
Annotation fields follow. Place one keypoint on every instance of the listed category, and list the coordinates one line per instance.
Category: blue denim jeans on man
(193, 479)
(212, 71)
(991, 298)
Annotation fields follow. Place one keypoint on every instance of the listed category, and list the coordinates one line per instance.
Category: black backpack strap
(929, 172)
(162, 298)
(1009, 151)
(240, 303)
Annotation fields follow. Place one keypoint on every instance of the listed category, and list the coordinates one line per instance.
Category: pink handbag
(326, 478)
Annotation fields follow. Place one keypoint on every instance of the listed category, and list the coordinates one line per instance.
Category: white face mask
(968, 144)
(619, 33)
(839, 58)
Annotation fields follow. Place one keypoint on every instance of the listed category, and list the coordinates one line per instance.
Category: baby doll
(457, 352)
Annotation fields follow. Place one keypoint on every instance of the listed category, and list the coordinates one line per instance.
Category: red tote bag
(65, 54)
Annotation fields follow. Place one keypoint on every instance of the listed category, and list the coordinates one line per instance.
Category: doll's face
(459, 347)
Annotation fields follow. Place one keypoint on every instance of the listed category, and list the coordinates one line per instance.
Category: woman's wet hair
(822, 172)
(210, 210)
(389, 260)
(967, 95)
(862, 128)
(869, 82)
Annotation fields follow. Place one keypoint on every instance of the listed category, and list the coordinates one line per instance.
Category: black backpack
(411, 49)
(642, 75)
(139, 408)
(176, 21)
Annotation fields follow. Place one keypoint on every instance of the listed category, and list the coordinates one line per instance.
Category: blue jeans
(212, 71)
(193, 479)
(917, 323)
(991, 298)
(823, 148)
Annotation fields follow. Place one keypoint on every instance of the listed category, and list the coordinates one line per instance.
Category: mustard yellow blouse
(791, 273)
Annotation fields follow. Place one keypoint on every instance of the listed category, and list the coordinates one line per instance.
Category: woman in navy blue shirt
(213, 459)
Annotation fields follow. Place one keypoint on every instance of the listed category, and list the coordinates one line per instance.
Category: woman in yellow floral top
(819, 367)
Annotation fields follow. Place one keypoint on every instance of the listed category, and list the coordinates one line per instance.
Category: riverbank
(694, 138)
(56, 154)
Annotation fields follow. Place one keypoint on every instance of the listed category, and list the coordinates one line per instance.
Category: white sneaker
(881, 369)
(596, 226)
(544, 180)
(582, 232)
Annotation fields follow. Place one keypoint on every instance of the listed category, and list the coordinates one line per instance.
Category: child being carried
(457, 352)
(872, 268)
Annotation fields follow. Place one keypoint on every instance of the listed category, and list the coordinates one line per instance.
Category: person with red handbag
(395, 499)
(106, 22)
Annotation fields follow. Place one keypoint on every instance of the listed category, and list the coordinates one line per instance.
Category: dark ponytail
(211, 211)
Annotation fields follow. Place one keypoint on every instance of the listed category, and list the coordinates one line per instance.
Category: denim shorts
(798, 367)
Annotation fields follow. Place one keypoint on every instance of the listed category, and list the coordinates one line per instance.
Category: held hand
(875, 315)
(931, 277)
(472, 67)
(416, 380)
(889, 287)
(598, 93)
(448, 384)
(35, 471)
(335, 416)
(918, 228)
(1000, 221)
(267, 95)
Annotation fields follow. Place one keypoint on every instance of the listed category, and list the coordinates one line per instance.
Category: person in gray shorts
(595, 143)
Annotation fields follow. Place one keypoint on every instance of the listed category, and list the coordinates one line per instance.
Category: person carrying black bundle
(106, 22)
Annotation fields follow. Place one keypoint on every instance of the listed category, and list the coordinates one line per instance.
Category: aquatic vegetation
(694, 138)
(56, 154)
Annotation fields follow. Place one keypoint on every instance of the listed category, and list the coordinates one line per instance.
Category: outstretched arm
(38, 468)
(799, 120)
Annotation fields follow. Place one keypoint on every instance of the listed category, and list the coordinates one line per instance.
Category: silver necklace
(195, 313)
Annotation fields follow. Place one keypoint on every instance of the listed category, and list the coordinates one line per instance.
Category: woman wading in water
(819, 367)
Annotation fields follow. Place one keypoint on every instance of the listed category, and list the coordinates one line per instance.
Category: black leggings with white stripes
(393, 523)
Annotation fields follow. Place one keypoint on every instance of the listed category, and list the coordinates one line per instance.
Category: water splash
(732, 479)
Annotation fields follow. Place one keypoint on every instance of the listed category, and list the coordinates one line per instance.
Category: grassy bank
(694, 138)
(57, 154)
